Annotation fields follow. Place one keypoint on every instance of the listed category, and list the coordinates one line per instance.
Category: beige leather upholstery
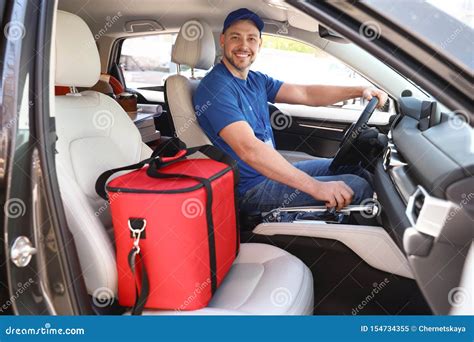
(77, 58)
(95, 134)
(90, 128)
(179, 92)
(84, 152)
(194, 47)
(256, 285)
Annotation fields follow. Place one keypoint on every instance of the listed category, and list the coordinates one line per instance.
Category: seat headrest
(77, 57)
(195, 46)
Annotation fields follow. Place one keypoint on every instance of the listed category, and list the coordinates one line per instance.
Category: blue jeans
(270, 194)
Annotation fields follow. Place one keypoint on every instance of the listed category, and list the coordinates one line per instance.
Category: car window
(292, 61)
(146, 61)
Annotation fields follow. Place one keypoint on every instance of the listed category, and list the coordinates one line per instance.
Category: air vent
(418, 204)
(415, 204)
(429, 214)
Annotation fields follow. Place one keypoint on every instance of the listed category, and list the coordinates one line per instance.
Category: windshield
(448, 26)
(462, 10)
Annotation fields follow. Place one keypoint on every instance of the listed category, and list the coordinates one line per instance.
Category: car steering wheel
(352, 134)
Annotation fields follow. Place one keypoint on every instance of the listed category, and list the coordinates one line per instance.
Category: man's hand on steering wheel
(370, 92)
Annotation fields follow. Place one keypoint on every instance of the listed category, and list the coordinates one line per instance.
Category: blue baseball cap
(243, 14)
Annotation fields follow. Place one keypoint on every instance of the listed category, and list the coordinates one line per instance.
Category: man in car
(236, 119)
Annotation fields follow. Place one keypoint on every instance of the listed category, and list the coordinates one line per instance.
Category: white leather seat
(95, 134)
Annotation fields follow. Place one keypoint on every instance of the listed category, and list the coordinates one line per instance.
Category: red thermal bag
(175, 226)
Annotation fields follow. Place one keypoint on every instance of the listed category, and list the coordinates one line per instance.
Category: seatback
(195, 48)
(94, 134)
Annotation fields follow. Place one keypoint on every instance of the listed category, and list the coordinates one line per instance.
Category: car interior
(401, 253)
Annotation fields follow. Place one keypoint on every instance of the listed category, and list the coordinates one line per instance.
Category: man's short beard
(230, 59)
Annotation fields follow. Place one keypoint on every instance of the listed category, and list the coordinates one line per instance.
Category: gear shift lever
(275, 214)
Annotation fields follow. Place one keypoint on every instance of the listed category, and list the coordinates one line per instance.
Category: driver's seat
(196, 48)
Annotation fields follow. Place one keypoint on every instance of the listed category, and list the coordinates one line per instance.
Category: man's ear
(221, 40)
(260, 44)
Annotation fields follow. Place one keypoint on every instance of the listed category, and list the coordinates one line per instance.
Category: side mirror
(326, 33)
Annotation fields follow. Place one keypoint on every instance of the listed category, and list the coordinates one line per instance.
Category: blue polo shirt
(222, 99)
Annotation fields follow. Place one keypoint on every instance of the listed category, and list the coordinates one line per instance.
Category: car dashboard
(425, 185)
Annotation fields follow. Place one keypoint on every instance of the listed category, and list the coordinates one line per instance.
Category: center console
(320, 214)
(313, 215)
(371, 243)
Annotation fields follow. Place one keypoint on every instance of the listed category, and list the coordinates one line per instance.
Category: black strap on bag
(141, 296)
(153, 172)
(169, 148)
(213, 153)
(102, 180)
(137, 227)
(156, 162)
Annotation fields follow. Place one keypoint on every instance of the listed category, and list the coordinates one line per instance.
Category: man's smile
(241, 54)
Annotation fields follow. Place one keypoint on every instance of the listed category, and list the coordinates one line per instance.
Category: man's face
(241, 42)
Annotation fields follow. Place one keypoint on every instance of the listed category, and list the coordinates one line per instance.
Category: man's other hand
(335, 194)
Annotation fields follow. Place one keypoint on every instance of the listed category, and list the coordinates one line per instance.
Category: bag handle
(169, 147)
(156, 161)
(102, 180)
(181, 154)
(156, 155)
(209, 151)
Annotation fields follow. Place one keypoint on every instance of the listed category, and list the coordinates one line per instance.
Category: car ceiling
(173, 13)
